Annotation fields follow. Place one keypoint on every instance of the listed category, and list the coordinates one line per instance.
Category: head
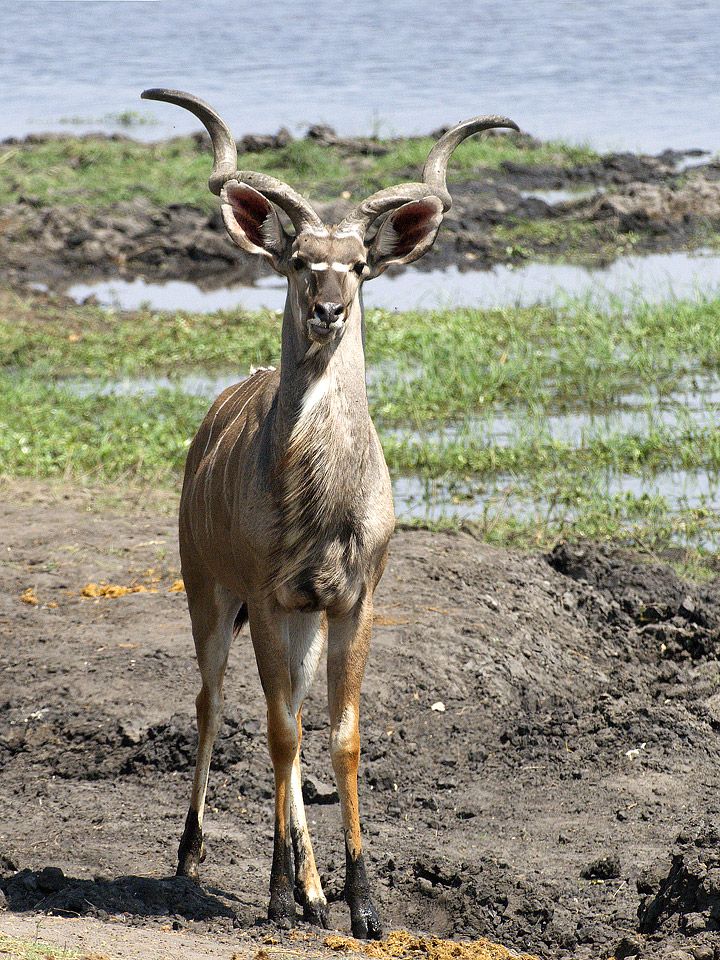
(326, 266)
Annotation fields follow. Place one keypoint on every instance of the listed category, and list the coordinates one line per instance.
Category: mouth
(321, 332)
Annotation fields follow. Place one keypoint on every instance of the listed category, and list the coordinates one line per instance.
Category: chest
(333, 500)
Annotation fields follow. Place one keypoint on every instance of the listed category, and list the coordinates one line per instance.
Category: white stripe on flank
(211, 466)
(261, 381)
(212, 425)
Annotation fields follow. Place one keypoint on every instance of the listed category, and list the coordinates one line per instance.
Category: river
(631, 74)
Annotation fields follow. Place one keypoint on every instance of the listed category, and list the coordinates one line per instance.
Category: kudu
(286, 509)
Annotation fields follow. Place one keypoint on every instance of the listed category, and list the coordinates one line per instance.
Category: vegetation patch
(99, 171)
(523, 424)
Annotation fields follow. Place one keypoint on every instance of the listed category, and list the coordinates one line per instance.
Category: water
(635, 74)
(204, 385)
(655, 277)
(694, 405)
(506, 497)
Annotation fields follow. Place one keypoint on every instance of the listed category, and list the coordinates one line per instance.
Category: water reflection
(655, 277)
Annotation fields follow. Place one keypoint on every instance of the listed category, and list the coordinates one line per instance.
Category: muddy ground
(540, 746)
(626, 203)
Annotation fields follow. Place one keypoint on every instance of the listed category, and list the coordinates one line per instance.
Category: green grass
(567, 239)
(96, 173)
(473, 404)
(426, 366)
(50, 432)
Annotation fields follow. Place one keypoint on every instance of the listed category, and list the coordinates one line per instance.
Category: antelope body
(286, 509)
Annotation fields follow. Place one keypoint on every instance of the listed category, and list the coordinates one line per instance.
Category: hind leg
(212, 611)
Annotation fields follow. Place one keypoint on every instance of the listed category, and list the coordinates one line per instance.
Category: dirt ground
(540, 747)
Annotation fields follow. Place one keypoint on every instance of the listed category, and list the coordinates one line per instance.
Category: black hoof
(317, 913)
(281, 911)
(191, 851)
(188, 868)
(280, 918)
(366, 924)
(189, 861)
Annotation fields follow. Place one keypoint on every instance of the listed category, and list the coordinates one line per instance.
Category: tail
(241, 619)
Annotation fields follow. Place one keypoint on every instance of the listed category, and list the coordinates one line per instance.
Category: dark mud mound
(652, 199)
(685, 897)
(530, 743)
(651, 596)
(85, 746)
(485, 899)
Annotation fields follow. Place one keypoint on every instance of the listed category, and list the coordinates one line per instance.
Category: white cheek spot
(319, 266)
(341, 267)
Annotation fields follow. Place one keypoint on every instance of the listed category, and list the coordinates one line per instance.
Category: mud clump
(686, 898)
(486, 899)
(648, 596)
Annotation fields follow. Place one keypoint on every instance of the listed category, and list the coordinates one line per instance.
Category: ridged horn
(297, 208)
(434, 176)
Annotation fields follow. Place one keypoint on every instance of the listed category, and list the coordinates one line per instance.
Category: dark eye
(359, 267)
(297, 262)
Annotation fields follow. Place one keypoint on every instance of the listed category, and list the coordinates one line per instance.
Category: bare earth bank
(540, 739)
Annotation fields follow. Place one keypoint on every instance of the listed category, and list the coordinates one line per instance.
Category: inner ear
(252, 222)
(407, 233)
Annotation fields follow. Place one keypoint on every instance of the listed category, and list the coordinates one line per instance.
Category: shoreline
(510, 209)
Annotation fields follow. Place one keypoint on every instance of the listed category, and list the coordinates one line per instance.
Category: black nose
(328, 313)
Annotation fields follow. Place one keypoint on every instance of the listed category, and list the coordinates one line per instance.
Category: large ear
(406, 234)
(252, 222)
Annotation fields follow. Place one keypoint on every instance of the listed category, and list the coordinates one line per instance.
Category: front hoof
(188, 867)
(366, 924)
(281, 911)
(191, 852)
(317, 913)
(189, 861)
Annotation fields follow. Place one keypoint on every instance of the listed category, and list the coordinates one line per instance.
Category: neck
(323, 442)
(312, 374)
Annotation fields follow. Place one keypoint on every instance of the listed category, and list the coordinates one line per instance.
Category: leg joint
(344, 738)
(283, 736)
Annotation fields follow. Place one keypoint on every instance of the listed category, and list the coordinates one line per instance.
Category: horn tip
(495, 121)
(161, 93)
